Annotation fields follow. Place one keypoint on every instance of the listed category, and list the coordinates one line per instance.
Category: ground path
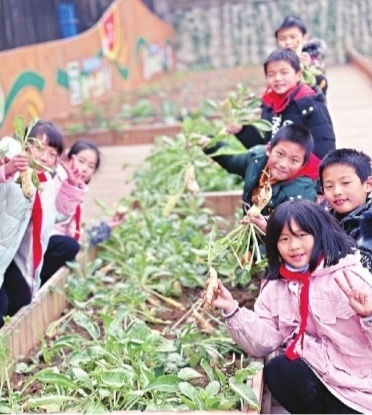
(349, 102)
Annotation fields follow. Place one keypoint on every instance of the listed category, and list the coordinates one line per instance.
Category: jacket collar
(347, 261)
(278, 103)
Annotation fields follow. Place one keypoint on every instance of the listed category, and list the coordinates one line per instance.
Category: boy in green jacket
(286, 163)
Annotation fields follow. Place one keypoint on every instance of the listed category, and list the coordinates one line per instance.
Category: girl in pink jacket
(64, 244)
(316, 304)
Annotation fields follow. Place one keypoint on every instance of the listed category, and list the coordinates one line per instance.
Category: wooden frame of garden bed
(133, 135)
(31, 322)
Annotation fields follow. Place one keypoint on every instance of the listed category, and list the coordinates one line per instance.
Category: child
(27, 223)
(288, 101)
(292, 34)
(86, 158)
(316, 302)
(345, 176)
(286, 163)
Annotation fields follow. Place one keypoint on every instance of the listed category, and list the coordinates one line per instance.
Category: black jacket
(305, 107)
(358, 225)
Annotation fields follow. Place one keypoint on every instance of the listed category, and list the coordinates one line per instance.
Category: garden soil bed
(168, 314)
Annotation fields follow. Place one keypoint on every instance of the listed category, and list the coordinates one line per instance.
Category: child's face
(44, 154)
(285, 159)
(86, 163)
(343, 189)
(296, 249)
(281, 77)
(291, 38)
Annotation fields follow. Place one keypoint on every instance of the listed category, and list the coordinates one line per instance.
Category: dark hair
(286, 55)
(53, 135)
(358, 160)
(330, 241)
(289, 22)
(85, 145)
(295, 133)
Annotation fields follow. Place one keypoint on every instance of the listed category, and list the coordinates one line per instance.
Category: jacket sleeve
(3, 178)
(235, 164)
(365, 240)
(366, 257)
(68, 199)
(249, 135)
(317, 119)
(255, 332)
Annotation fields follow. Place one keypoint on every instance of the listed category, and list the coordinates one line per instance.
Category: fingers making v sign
(74, 176)
(360, 300)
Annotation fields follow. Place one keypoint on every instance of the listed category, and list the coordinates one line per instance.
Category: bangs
(53, 138)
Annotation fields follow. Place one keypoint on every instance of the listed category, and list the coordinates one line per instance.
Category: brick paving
(349, 101)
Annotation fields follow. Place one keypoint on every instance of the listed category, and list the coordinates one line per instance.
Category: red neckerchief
(278, 103)
(37, 221)
(275, 101)
(304, 278)
(309, 169)
(77, 218)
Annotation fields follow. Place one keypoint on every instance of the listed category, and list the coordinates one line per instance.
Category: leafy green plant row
(119, 346)
(114, 349)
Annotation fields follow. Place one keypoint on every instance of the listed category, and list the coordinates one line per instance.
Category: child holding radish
(29, 213)
(286, 166)
(316, 303)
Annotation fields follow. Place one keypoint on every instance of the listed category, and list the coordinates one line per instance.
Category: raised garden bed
(27, 326)
(136, 134)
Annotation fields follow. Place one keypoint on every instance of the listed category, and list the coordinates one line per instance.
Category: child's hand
(204, 141)
(4, 160)
(74, 176)
(225, 300)
(258, 220)
(234, 128)
(116, 220)
(305, 58)
(18, 163)
(360, 301)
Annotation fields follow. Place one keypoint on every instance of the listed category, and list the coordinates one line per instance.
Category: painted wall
(128, 47)
(219, 33)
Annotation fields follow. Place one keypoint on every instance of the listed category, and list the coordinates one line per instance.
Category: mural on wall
(115, 55)
(91, 78)
(155, 58)
(224, 33)
(28, 88)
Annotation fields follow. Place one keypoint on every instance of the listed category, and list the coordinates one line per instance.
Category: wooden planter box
(137, 134)
(223, 203)
(31, 322)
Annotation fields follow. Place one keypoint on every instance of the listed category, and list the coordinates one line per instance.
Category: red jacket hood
(310, 169)
(279, 102)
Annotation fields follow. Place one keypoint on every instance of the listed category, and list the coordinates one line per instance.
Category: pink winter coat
(68, 227)
(337, 343)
